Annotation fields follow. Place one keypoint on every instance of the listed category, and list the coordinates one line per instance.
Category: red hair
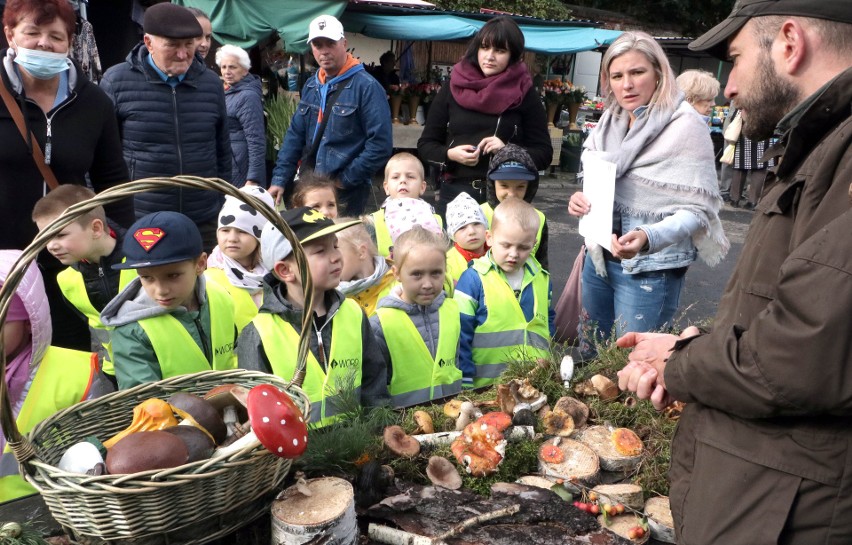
(43, 12)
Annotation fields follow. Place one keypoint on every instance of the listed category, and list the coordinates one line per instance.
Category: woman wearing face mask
(69, 118)
(665, 213)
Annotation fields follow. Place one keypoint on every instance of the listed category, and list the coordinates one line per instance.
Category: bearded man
(763, 450)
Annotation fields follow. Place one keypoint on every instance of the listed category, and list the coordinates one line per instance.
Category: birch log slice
(600, 440)
(535, 480)
(622, 524)
(629, 495)
(328, 511)
(660, 519)
(580, 464)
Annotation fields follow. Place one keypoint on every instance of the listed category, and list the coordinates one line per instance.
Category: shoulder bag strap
(38, 156)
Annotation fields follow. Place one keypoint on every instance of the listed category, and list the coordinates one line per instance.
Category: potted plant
(278, 111)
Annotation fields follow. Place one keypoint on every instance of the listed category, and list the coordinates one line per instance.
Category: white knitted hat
(236, 213)
(461, 211)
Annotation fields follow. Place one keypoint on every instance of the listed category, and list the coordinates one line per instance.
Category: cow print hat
(236, 213)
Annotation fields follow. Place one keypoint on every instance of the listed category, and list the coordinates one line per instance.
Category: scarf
(664, 164)
(493, 94)
(239, 276)
(354, 287)
(470, 255)
(350, 67)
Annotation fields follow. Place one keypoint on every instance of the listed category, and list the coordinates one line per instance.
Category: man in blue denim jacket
(357, 140)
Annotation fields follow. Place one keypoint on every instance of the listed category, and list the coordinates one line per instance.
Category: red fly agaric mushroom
(276, 423)
(401, 443)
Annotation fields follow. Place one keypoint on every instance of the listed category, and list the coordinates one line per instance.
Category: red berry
(619, 508)
(594, 509)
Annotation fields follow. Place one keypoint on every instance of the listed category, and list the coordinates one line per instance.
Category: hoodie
(425, 319)
(134, 356)
(374, 390)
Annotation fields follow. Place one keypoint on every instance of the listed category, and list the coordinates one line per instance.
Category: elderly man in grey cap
(763, 450)
(172, 116)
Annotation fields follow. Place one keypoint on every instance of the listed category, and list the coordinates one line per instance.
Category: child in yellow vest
(512, 173)
(342, 347)
(316, 191)
(366, 276)
(235, 262)
(89, 246)
(404, 178)
(169, 321)
(504, 299)
(40, 379)
(417, 326)
(466, 224)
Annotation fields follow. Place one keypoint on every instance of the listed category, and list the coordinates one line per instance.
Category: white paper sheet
(599, 188)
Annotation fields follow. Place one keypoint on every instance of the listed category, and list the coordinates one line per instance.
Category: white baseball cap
(325, 26)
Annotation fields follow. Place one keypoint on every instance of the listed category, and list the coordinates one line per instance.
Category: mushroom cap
(524, 417)
(198, 444)
(202, 412)
(497, 419)
(452, 408)
(605, 388)
(227, 395)
(424, 422)
(559, 423)
(443, 472)
(401, 443)
(277, 421)
(146, 450)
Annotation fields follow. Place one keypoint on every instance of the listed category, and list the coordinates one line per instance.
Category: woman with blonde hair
(665, 212)
(700, 89)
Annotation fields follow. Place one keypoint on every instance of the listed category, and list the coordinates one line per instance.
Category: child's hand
(491, 144)
(465, 154)
(276, 192)
(579, 205)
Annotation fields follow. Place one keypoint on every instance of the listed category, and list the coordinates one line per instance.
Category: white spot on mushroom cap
(295, 442)
(280, 449)
(283, 422)
(265, 419)
(264, 392)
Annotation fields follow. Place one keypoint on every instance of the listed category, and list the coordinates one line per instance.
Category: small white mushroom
(468, 413)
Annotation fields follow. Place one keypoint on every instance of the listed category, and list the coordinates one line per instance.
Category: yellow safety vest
(370, 297)
(245, 308)
(383, 238)
(64, 378)
(176, 350)
(73, 287)
(489, 213)
(280, 342)
(506, 334)
(456, 265)
(418, 377)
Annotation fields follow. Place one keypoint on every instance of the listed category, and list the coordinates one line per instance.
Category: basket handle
(22, 449)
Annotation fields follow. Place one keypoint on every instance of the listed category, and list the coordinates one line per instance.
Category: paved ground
(704, 285)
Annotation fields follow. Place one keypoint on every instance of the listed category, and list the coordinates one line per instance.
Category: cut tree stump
(629, 495)
(327, 514)
(660, 519)
(580, 465)
(600, 440)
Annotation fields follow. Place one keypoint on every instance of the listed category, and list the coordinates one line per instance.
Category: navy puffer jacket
(244, 101)
(169, 131)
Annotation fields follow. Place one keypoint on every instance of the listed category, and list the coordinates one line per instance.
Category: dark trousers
(747, 180)
(451, 189)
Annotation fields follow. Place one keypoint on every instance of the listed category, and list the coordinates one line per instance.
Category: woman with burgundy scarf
(489, 103)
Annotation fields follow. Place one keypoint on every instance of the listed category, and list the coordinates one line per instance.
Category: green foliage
(692, 17)
(12, 533)
(278, 111)
(545, 9)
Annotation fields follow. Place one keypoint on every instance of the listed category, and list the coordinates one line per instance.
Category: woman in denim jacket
(666, 195)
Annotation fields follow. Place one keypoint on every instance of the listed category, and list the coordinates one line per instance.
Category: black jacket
(84, 139)
(100, 278)
(168, 131)
(450, 125)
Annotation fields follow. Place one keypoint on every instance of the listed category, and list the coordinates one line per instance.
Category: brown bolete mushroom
(578, 410)
(424, 422)
(231, 400)
(150, 415)
(604, 387)
(558, 423)
(443, 473)
(199, 445)
(276, 423)
(401, 443)
(199, 413)
(146, 450)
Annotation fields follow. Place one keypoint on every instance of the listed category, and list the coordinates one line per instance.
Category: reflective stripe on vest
(64, 377)
(179, 354)
(417, 376)
(73, 287)
(489, 213)
(506, 335)
(280, 342)
(383, 238)
(244, 307)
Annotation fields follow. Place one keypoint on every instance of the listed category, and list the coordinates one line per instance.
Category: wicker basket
(191, 504)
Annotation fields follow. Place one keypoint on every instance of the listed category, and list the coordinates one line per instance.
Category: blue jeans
(632, 302)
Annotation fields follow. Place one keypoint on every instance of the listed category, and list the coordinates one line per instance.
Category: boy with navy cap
(342, 347)
(512, 173)
(169, 321)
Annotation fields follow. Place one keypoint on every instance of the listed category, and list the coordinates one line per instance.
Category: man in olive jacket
(763, 451)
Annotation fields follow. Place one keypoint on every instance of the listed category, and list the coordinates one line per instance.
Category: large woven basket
(191, 504)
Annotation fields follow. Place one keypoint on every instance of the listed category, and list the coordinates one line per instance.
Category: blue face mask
(41, 64)
(706, 119)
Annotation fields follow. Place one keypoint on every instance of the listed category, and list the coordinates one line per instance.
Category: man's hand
(276, 191)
